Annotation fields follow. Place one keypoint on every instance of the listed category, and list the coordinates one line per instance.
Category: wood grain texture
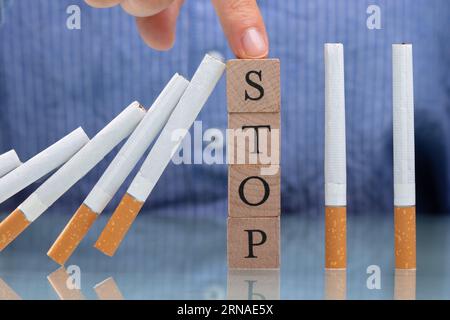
(250, 145)
(251, 194)
(243, 78)
(253, 243)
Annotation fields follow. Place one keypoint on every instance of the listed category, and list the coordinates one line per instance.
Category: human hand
(156, 20)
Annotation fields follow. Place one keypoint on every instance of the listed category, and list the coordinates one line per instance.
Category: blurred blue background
(53, 80)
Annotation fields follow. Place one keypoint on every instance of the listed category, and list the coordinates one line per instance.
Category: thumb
(244, 27)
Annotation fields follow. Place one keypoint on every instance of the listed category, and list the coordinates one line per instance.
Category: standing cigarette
(404, 171)
(72, 171)
(8, 162)
(42, 163)
(192, 101)
(118, 170)
(335, 158)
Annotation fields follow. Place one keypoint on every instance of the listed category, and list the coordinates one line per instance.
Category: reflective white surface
(176, 257)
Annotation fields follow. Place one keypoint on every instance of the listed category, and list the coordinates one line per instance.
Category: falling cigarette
(42, 163)
(335, 158)
(404, 171)
(108, 290)
(8, 162)
(191, 103)
(72, 171)
(118, 170)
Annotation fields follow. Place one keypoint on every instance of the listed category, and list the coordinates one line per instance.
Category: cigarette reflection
(405, 284)
(7, 293)
(66, 285)
(335, 284)
(108, 290)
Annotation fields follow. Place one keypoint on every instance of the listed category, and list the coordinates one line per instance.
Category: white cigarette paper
(41, 164)
(403, 122)
(8, 162)
(82, 162)
(136, 145)
(335, 153)
(185, 113)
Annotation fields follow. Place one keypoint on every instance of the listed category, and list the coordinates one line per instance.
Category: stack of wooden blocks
(253, 93)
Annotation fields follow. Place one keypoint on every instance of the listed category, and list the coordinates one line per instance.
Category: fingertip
(244, 28)
(161, 39)
(102, 3)
(253, 44)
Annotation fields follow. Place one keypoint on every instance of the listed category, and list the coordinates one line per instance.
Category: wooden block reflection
(251, 284)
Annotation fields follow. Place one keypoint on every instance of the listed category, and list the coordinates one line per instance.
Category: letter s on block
(255, 85)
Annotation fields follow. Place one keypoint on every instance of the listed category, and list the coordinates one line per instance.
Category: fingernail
(254, 44)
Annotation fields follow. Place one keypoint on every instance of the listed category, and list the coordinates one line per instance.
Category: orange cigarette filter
(73, 233)
(405, 237)
(12, 227)
(108, 290)
(335, 237)
(117, 227)
(58, 281)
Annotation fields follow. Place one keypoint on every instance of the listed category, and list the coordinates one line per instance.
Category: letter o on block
(265, 195)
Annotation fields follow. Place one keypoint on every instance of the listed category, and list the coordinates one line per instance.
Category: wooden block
(251, 194)
(253, 85)
(253, 243)
(253, 284)
(254, 138)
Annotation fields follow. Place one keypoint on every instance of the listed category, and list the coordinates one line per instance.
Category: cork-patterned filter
(237, 70)
(117, 227)
(405, 237)
(73, 233)
(335, 284)
(58, 281)
(12, 227)
(335, 237)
